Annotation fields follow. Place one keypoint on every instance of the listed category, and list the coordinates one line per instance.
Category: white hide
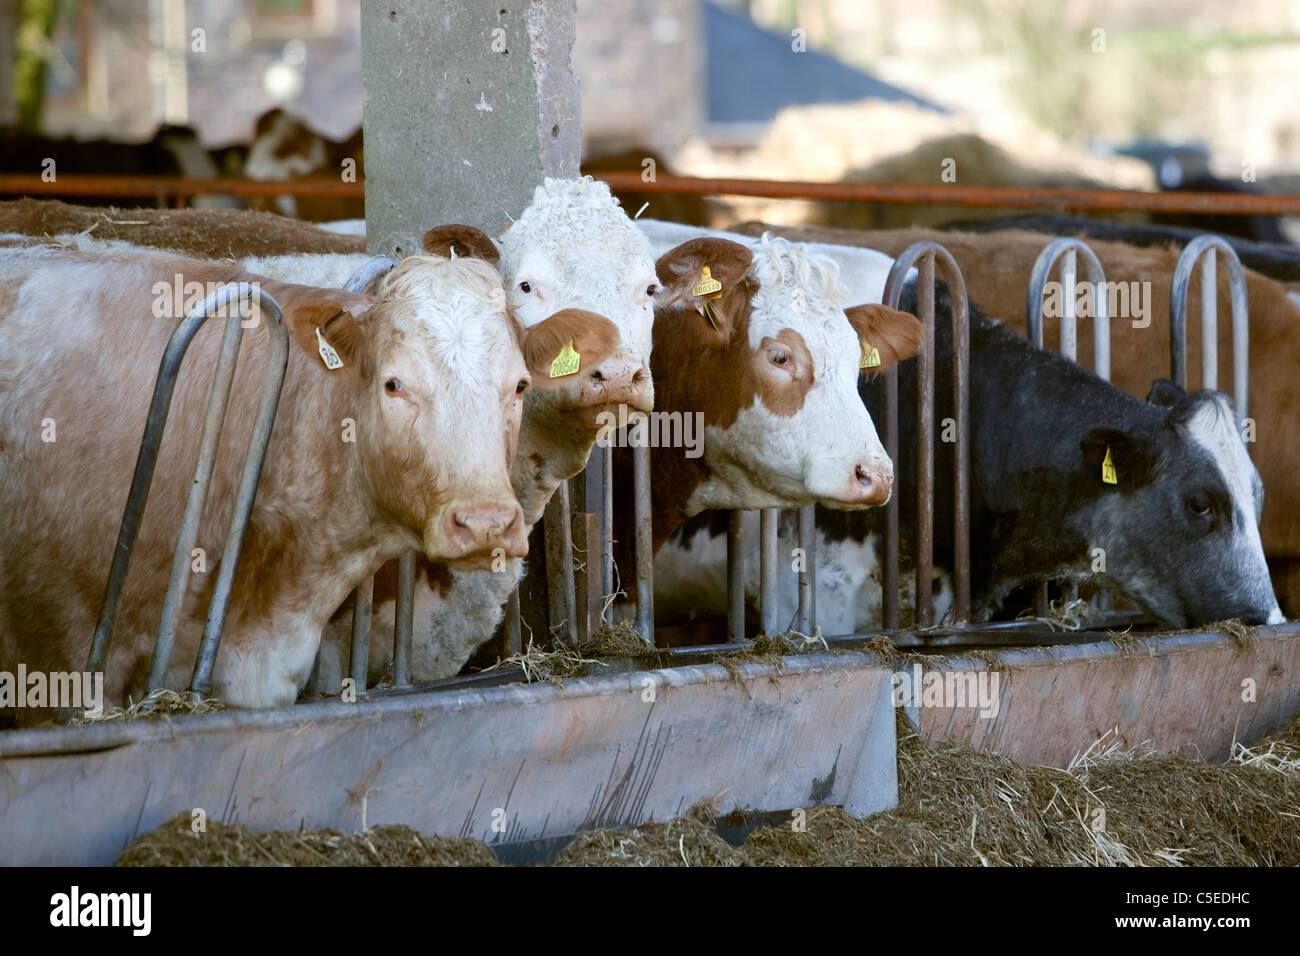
(862, 271)
(691, 581)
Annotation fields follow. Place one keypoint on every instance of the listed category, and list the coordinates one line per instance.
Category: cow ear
(700, 274)
(1130, 461)
(887, 336)
(341, 332)
(1165, 393)
(567, 345)
(455, 240)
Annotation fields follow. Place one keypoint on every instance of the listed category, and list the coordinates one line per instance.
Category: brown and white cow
(769, 363)
(407, 445)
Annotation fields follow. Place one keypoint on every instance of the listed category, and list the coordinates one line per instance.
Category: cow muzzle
(869, 485)
(619, 381)
(477, 534)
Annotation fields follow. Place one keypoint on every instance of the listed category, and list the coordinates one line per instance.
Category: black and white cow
(1178, 528)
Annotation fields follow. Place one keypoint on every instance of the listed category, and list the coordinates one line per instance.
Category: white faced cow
(769, 362)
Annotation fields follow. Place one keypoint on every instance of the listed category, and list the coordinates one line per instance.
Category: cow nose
(872, 483)
(477, 529)
(620, 380)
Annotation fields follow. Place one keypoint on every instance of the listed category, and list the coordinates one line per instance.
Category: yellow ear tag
(1108, 474)
(327, 353)
(870, 356)
(567, 362)
(707, 284)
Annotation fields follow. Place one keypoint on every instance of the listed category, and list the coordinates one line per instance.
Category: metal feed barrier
(147, 460)
(1205, 249)
(1067, 250)
(574, 602)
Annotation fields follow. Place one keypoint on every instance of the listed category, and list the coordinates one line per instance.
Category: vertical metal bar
(768, 604)
(925, 445)
(362, 604)
(585, 534)
(892, 616)
(514, 626)
(645, 613)
(1240, 340)
(561, 591)
(1069, 321)
(961, 406)
(736, 578)
(1209, 320)
(607, 522)
(403, 619)
(807, 621)
(209, 441)
(272, 380)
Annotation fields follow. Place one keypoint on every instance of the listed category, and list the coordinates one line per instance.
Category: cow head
(760, 344)
(1177, 512)
(575, 247)
(438, 373)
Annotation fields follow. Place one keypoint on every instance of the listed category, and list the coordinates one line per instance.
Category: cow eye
(1198, 506)
(522, 386)
(651, 289)
(525, 287)
(394, 386)
(779, 358)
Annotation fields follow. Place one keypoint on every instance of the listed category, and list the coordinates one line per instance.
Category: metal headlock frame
(922, 255)
(1068, 249)
(1204, 249)
(147, 460)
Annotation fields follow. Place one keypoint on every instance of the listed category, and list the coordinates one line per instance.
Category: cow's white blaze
(1213, 427)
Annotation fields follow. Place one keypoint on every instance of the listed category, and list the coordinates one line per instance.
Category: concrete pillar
(468, 107)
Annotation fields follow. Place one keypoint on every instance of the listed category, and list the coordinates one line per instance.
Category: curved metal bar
(925, 254)
(1210, 246)
(213, 422)
(1069, 247)
(272, 379)
(360, 280)
(147, 459)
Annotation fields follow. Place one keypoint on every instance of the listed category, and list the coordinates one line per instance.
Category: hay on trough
(157, 703)
(539, 665)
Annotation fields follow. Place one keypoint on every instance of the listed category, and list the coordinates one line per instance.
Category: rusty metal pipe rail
(952, 194)
(146, 461)
(150, 187)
